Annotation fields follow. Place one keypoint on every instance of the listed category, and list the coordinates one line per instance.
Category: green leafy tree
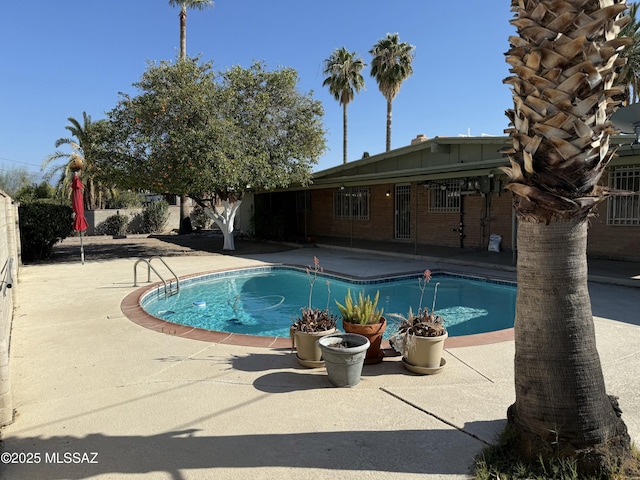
(563, 61)
(344, 80)
(210, 138)
(87, 146)
(391, 65)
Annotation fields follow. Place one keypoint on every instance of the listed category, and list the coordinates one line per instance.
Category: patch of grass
(501, 462)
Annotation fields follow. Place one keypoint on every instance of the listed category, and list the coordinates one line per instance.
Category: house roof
(439, 158)
(431, 159)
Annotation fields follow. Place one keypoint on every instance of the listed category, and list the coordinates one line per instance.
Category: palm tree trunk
(344, 133)
(561, 400)
(388, 125)
(184, 210)
(183, 32)
(90, 195)
(100, 204)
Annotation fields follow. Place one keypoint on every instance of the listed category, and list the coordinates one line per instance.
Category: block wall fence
(9, 263)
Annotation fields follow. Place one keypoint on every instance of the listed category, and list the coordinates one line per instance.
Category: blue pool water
(265, 301)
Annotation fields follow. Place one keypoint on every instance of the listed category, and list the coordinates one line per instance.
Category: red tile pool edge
(131, 308)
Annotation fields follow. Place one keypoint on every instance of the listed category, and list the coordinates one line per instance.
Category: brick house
(444, 191)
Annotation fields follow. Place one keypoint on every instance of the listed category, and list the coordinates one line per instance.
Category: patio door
(403, 212)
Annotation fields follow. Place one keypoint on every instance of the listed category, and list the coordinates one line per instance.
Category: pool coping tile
(132, 309)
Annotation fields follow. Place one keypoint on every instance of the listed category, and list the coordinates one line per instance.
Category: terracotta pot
(76, 164)
(374, 333)
(308, 352)
(424, 352)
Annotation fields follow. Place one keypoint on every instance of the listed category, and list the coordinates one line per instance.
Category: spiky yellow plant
(364, 311)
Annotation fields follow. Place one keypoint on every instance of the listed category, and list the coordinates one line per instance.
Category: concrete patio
(88, 380)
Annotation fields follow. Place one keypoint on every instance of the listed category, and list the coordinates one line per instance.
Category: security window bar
(624, 210)
(351, 203)
(403, 212)
(444, 197)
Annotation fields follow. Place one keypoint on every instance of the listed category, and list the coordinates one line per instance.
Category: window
(624, 210)
(444, 197)
(351, 203)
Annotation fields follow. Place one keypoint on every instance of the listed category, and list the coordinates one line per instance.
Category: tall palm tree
(86, 147)
(344, 80)
(630, 74)
(564, 62)
(184, 5)
(391, 65)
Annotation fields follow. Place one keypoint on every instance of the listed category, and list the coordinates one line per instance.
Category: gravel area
(198, 243)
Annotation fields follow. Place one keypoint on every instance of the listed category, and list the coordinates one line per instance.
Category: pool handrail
(151, 267)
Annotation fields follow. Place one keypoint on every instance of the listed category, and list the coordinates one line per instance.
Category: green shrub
(42, 225)
(199, 219)
(155, 216)
(114, 225)
(135, 223)
(34, 193)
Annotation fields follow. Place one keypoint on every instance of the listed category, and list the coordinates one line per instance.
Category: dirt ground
(198, 243)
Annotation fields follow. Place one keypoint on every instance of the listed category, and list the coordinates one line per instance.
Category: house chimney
(419, 139)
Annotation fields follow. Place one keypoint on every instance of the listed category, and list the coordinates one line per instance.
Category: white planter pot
(424, 354)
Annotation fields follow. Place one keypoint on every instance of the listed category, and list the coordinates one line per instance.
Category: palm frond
(564, 63)
(194, 4)
(391, 64)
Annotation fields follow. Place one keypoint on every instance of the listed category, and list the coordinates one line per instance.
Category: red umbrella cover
(77, 202)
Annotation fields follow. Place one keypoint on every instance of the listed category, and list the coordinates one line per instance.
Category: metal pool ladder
(168, 290)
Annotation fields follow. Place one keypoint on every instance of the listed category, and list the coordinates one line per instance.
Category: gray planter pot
(344, 355)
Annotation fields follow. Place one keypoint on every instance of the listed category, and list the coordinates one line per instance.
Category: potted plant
(420, 336)
(344, 355)
(311, 325)
(364, 318)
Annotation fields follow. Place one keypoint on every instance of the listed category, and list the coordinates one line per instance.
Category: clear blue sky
(63, 58)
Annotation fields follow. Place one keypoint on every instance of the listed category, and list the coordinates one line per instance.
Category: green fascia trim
(427, 144)
(627, 154)
(440, 172)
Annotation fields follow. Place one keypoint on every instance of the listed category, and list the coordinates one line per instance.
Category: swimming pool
(265, 301)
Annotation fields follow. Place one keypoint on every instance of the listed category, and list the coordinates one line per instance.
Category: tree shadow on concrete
(283, 373)
(428, 452)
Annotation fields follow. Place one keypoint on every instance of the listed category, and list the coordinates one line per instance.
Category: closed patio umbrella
(77, 202)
